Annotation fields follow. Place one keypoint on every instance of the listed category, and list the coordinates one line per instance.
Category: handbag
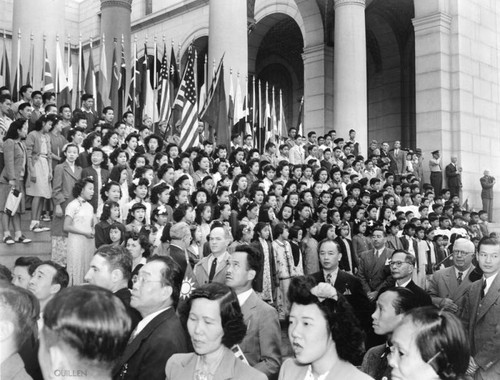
(13, 201)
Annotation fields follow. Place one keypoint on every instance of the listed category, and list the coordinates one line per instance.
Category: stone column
(115, 23)
(228, 36)
(40, 18)
(349, 78)
(318, 89)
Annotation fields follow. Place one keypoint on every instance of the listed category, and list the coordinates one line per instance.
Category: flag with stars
(186, 101)
(165, 96)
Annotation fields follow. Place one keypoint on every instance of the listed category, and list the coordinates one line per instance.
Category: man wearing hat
(436, 172)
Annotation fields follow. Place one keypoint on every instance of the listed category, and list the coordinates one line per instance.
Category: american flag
(165, 105)
(186, 101)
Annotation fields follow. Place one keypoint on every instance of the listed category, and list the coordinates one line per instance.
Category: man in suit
(98, 174)
(448, 286)
(402, 267)
(180, 235)
(374, 271)
(262, 343)
(87, 109)
(345, 283)
(391, 306)
(159, 334)
(398, 160)
(18, 312)
(487, 183)
(481, 316)
(213, 267)
(83, 325)
(111, 268)
(453, 176)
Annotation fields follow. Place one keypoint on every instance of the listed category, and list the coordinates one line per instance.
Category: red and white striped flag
(187, 102)
(165, 105)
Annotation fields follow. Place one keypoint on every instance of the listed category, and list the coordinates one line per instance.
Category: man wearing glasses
(159, 334)
(448, 286)
(402, 266)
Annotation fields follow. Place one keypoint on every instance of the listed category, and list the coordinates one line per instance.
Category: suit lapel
(341, 282)
(135, 344)
(490, 298)
(450, 281)
(68, 170)
(380, 261)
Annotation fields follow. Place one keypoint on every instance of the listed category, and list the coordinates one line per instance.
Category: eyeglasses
(397, 264)
(142, 280)
(461, 253)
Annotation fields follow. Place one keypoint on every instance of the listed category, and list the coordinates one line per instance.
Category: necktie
(212, 270)
(459, 278)
(329, 278)
(483, 289)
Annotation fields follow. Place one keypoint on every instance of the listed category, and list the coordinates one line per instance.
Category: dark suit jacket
(350, 287)
(424, 299)
(182, 366)
(91, 172)
(375, 362)
(374, 272)
(481, 318)
(262, 342)
(344, 261)
(443, 284)
(259, 278)
(124, 295)
(147, 354)
(453, 178)
(179, 256)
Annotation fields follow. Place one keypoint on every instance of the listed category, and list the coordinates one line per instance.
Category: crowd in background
(276, 223)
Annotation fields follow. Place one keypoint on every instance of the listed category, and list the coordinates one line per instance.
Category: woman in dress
(38, 183)
(284, 267)
(215, 324)
(429, 344)
(12, 176)
(78, 223)
(360, 241)
(324, 334)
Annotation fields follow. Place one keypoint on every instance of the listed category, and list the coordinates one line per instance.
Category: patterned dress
(80, 248)
(284, 267)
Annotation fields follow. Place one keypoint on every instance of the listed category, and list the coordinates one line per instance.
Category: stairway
(41, 245)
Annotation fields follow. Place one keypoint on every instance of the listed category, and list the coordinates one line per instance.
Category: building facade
(425, 72)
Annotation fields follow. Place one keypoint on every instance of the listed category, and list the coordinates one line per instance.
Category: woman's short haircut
(441, 341)
(79, 185)
(89, 320)
(232, 321)
(342, 324)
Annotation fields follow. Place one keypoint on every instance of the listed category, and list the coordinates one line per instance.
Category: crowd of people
(213, 249)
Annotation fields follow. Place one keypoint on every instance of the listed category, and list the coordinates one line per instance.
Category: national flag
(62, 88)
(165, 103)
(174, 83)
(274, 123)
(215, 112)
(103, 92)
(90, 79)
(115, 82)
(186, 101)
(267, 117)
(189, 284)
(230, 108)
(4, 68)
(148, 102)
(69, 74)
(122, 90)
(300, 122)
(135, 84)
(48, 83)
(18, 77)
(80, 81)
(203, 89)
(260, 134)
(282, 122)
(31, 64)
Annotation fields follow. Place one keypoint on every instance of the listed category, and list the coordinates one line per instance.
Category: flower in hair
(162, 209)
(136, 181)
(324, 291)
